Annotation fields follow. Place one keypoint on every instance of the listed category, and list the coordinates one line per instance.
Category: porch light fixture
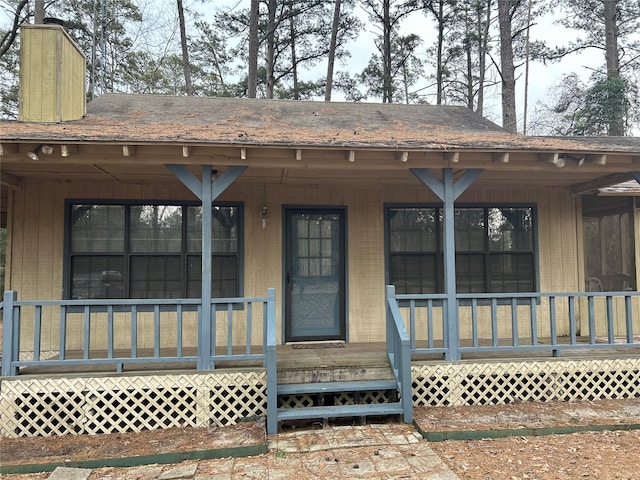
(579, 161)
(40, 149)
(265, 216)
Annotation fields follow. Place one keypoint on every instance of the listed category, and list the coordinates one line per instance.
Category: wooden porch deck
(318, 362)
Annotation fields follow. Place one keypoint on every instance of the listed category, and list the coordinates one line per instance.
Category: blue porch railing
(120, 332)
(398, 351)
(517, 322)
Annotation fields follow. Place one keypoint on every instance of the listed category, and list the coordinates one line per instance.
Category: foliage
(134, 46)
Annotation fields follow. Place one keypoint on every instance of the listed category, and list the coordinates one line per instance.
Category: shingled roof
(206, 120)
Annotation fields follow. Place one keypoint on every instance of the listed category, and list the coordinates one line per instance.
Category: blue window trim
(485, 205)
(67, 254)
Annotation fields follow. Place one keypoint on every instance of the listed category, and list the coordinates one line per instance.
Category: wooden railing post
(10, 328)
(271, 363)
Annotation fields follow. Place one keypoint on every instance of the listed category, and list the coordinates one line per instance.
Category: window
(609, 243)
(495, 249)
(150, 250)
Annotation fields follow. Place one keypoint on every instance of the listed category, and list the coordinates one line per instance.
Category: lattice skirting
(62, 406)
(487, 383)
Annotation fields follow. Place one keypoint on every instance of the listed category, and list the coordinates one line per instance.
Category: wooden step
(328, 387)
(335, 411)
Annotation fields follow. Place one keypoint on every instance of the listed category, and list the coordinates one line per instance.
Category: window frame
(127, 254)
(439, 257)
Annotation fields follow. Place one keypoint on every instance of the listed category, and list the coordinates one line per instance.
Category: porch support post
(448, 192)
(207, 190)
(10, 334)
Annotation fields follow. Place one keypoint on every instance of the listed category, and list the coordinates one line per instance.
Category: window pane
(510, 229)
(470, 229)
(97, 228)
(413, 273)
(412, 230)
(470, 274)
(156, 228)
(224, 229)
(97, 277)
(224, 276)
(511, 273)
(155, 276)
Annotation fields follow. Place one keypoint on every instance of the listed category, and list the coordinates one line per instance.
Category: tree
(608, 26)
(387, 14)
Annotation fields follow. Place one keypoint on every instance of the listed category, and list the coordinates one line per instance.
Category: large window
(495, 249)
(150, 250)
(609, 243)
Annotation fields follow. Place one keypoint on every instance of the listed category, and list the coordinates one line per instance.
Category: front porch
(105, 376)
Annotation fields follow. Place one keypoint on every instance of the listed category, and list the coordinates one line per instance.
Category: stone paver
(186, 471)
(368, 451)
(68, 473)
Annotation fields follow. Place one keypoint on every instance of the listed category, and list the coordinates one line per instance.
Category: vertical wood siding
(37, 226)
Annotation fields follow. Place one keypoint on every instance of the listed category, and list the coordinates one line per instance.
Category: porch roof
(130, 138)
(161, 119)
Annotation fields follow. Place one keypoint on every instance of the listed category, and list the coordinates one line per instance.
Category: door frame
(344, 321)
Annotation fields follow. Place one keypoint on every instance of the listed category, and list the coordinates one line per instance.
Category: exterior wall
(36, 229)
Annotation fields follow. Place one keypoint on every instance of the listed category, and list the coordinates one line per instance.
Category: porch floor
(301, 363)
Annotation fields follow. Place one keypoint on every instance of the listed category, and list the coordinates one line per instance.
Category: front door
(314, 274)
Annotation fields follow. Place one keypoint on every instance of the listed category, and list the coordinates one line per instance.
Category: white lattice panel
(132, 404)
(458, 384)
(62, 406)
(231, 397)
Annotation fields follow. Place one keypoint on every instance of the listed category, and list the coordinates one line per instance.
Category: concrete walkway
(370, 451)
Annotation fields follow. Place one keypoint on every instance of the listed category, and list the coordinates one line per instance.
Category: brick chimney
(52, 75)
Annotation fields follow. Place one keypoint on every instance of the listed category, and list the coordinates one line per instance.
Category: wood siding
(36, 226)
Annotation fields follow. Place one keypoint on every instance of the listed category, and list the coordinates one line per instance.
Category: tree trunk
(439, 66)
(252, 87)
(387, 88)
(332, 50)
(616, 123)
(294, 60)
(483, 47)
(507, 68)
(271, 48)
(185, 50)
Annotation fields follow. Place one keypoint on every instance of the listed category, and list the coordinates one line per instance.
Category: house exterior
(495, 243)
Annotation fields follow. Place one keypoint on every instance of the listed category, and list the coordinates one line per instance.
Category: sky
(542, 78)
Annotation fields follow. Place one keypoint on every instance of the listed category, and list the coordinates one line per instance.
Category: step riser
(338, 412)
(334, 375)
(336, 387)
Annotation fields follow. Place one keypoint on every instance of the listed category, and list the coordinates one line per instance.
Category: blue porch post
(448, 192)
(207, 190)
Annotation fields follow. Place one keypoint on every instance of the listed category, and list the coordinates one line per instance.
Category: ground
(612, 454)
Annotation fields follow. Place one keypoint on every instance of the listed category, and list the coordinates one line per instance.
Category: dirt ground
(604, 455)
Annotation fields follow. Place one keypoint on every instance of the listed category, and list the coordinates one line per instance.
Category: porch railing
(398, 351)
(516, 322)
(119, 332)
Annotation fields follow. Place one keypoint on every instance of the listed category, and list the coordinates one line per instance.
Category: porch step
(332, 387)
(335, 411)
